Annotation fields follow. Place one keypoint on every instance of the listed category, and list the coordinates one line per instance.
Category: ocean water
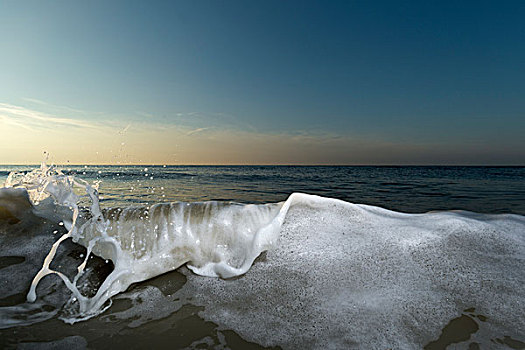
(262, 256)
(412, 189)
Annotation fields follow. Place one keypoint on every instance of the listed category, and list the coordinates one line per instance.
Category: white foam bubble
(354, 276)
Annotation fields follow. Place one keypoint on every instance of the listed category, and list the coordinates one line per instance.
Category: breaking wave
(333, 266)
(214, 239)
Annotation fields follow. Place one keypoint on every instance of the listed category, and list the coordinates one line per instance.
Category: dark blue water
(411, 189)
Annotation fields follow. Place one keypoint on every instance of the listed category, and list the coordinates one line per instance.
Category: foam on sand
(355, 276)
(336, 274)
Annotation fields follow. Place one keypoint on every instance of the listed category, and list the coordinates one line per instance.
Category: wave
(214, 239)
(334, 269)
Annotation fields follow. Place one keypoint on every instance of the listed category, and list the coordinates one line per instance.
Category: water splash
(53, 193)
(215, 239)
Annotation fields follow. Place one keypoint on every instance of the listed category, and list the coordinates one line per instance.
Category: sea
(254, 257)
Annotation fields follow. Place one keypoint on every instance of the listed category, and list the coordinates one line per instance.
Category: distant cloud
(31, 119)
(55, 107)
(217, 120)
(192, 132)
(13, 122)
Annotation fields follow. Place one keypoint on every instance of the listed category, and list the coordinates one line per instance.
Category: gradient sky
(263, 82)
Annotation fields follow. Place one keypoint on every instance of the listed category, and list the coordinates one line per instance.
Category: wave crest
(215, 239)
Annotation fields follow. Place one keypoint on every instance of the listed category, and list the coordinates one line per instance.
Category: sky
(262, 82)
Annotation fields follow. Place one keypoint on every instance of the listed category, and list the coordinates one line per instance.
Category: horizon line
(271, 164)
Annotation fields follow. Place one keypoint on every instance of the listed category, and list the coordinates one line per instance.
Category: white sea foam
(337, 275)
(356, 276)
(215, 239)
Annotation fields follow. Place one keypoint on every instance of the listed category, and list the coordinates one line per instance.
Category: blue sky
(398, 82)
